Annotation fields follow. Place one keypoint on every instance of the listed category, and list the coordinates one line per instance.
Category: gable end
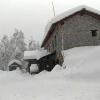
(54, 25)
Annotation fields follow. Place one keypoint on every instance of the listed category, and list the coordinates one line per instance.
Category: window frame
(94, 33)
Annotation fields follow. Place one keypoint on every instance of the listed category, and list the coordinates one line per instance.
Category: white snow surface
(79, 81)
(34, 68)
(66, 14)
(83, 62)
(57, 68)
(16, 61)
(35, 54)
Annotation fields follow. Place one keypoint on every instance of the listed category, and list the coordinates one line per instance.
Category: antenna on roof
(53, 8)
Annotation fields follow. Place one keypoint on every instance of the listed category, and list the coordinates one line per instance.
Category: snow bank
(57, 68)
(35, 54)
(83, 63)
(34, 68)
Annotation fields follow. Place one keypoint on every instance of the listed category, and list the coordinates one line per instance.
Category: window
(55, 41)
(82, 13)
(53, 44)
(94, 33)
(48, 47)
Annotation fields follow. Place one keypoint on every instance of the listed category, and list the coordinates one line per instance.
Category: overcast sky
(31, 16)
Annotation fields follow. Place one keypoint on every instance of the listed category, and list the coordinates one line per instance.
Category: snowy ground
(79, 81)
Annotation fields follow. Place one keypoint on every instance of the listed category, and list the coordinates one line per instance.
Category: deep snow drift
(83, 63)
(79, 81)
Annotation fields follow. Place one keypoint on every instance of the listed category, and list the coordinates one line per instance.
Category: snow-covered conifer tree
(4, 54)
(32, 44)
(17, 46)
(12, 49)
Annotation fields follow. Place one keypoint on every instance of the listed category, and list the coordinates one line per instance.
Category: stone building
(77, 27)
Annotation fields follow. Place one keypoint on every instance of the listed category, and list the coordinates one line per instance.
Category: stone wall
(77, 31)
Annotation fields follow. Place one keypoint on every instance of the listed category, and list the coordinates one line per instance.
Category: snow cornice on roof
(35, 54)
(68, 14)
(14, 61)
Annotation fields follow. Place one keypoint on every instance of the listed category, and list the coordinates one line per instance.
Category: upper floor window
(94, 33)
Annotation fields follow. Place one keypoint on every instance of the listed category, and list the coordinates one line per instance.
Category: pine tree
(17, 46)
(4, 54)
(32, 44)
(12, 49)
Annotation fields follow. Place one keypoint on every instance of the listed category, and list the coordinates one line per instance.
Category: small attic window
(62, 23)
(82, 13)
(94, 33)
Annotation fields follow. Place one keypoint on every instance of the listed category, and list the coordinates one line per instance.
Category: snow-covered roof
(16, 61)
(66, 14)
(35, 54)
